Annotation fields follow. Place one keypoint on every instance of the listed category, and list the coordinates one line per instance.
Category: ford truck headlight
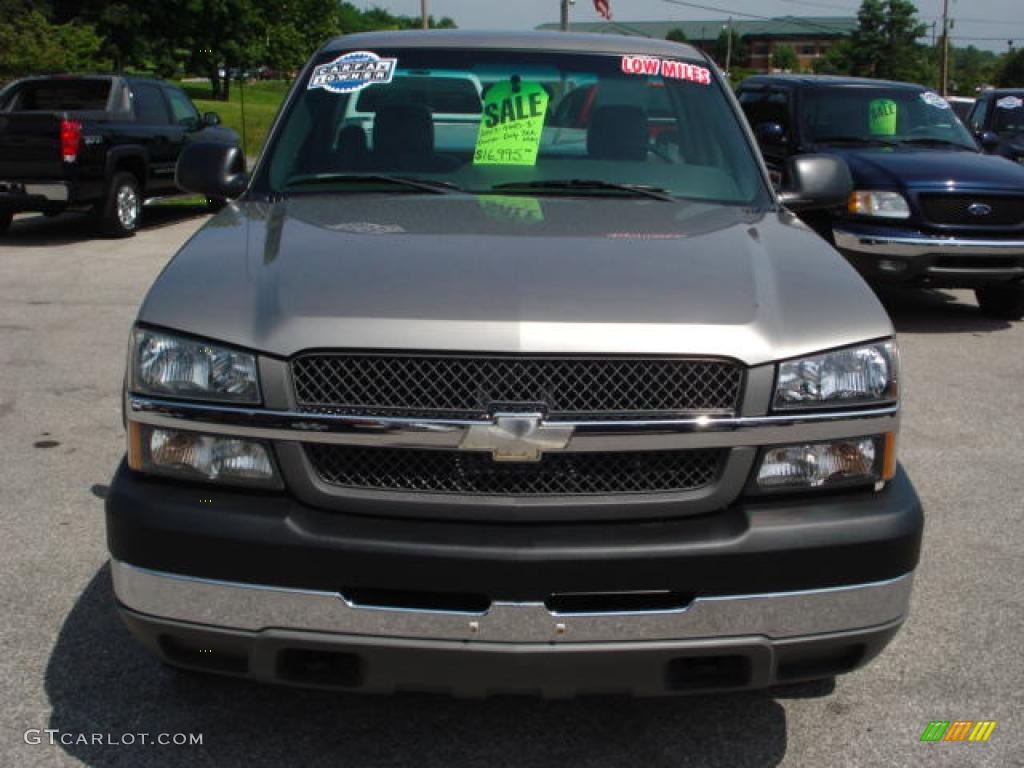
(167, 365)
(855, 376)
(879, 204)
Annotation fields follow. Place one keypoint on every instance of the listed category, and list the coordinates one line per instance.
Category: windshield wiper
(432, 186)
(926, 142)
(854, 140)
(585, 185)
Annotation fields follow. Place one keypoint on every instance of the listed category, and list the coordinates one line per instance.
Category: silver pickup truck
(544, 406)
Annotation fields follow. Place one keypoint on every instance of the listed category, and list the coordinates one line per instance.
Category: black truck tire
(120, 212)
(5, 221)
(1005, 302)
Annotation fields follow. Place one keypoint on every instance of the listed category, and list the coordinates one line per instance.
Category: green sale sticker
(512, 124)
(883, 117)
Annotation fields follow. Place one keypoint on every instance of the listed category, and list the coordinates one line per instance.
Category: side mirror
(211, 119)
(212, 169)
(989, 140)
(770, 133)
(816, 182)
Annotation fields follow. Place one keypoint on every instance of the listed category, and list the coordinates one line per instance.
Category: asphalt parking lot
(66, 304)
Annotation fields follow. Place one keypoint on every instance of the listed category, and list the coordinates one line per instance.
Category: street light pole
(564, 25)
(423, 14)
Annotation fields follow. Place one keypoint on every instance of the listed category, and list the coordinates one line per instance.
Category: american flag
(603, 7)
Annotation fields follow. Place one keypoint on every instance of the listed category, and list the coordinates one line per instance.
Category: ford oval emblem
(979, 209)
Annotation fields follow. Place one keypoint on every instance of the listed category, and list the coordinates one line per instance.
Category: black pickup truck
(97, 143)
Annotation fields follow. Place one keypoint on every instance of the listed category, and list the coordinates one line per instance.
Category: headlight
(856, 376)
(879, 204)
(172, 366)
(193, 456)
(840, 463)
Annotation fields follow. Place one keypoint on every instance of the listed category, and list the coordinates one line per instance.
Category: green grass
(261, 102)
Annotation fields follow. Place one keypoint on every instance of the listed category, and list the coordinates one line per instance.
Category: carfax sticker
(933, 99)
(667, 68)
(352, 72)
(1010, 102)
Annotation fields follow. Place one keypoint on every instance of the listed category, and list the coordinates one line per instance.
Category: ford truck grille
(973, 210)
(475, 386)
(556, 474)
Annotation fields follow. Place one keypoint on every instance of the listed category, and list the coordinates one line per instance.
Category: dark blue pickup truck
(928, 207)
(997, 122)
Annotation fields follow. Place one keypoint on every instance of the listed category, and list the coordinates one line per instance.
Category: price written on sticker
(512, 124)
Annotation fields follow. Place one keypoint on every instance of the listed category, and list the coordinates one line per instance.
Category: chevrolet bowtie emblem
(517, 437)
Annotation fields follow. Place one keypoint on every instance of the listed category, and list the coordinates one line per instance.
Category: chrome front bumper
(256, 608)
(913, 256)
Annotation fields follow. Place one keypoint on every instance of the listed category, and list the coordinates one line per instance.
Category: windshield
(880, 115)
(511, 122)
(1008, 118)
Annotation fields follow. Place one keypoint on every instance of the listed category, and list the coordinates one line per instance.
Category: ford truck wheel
(1005, 302)
(5, 221)
(121, 211)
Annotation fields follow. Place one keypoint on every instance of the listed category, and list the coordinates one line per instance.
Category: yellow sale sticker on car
(883, 117)
(512, 124)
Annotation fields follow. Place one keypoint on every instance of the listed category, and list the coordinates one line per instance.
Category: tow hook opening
(568, 603)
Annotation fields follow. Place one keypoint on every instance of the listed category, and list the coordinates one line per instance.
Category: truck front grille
(957, 210)
(477, 474)
(469, 386)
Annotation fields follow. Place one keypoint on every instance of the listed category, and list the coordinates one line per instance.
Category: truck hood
(513, 274)
(921, 169)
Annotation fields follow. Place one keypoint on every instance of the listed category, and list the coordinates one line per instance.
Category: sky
(984, 23)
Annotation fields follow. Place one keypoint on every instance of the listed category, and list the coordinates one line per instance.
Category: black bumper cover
(770, 545)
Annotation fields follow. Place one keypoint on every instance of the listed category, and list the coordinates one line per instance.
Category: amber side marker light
(889, 457)
(135, 446)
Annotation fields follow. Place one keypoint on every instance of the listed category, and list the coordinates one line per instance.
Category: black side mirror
(816, 182)
(211, 119)
(770, 134)
(212, 169)
(989, 140)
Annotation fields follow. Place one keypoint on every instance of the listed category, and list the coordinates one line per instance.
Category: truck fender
(129, 157)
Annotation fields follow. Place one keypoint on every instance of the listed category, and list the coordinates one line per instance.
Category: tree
(30, 43)
(1011, 74)
(784, 58)
(676, 35)
(740, 52)
(884, 45)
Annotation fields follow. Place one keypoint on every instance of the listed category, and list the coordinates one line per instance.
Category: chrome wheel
(128, 207)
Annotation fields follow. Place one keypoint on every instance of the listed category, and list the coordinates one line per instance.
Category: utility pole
(944, 77)
(728, 47)
(424, 16)
(565, 15)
